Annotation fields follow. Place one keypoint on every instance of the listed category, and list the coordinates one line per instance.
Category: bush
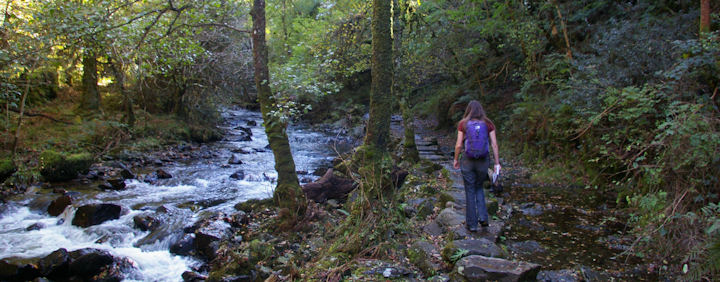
(56, 166)
(7, 168)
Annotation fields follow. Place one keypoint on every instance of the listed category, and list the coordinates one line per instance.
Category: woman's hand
(456, 164)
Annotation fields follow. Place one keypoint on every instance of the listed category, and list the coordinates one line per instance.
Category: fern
(707, 260)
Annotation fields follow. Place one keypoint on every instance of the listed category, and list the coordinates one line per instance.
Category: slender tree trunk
(288, 194)
(127, 100)
(704, 16)
(91, 94)
(378, 129)
(20, 115)
(410, 151)
(564, 30)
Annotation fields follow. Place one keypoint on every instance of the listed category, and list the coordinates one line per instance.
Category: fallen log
(30, 114)
(329, 186)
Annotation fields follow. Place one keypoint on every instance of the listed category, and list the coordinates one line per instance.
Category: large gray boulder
(480, 268)
(94, 214)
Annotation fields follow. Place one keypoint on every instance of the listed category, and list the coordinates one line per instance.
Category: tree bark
(564, 29)
(288, 194)
(704, 16)
(378, 128)
(127, 100)
(410, 151)
(90, 93)
(20, 116)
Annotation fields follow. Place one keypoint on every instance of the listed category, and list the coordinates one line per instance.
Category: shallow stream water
(198, 188)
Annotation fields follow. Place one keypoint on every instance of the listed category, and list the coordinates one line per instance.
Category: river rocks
(243, 151)
(89, 262)
(238, 175)
(35, 226)
(162, 174)
(476, 268)
(184, 246)
(191, 276)
(482, 247)
(94, 214)
(58, 205)
(56, 265)
(208, 237)
(247, 131)
(116, 184)
(235, 160)
(146, 222)
(56, 166)
(17, 271)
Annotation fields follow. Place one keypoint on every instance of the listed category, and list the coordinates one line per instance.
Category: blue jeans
(474, 172)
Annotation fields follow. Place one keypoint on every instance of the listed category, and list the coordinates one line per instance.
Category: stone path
(452, 218)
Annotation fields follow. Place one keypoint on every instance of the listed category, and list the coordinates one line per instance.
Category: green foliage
(56, 166)
(260, 251)
(7, 168)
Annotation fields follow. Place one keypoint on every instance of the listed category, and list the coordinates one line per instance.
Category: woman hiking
(475, 130)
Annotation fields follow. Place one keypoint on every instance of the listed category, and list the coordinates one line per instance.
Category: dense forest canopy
(613, 95)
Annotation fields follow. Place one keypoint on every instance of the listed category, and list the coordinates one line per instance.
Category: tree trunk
(90, 93)
(127, 100)
(20, 115)
(378, 128)
(288, 195)
(704, 16)
(564, 29)
(410, 151)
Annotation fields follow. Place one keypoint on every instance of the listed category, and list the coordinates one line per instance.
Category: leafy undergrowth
(309, 251)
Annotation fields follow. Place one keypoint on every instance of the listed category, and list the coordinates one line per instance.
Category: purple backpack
(476, 140)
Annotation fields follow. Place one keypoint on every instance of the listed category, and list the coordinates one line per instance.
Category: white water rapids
(199, 187)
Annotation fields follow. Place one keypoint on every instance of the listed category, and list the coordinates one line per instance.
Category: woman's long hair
(474, 110)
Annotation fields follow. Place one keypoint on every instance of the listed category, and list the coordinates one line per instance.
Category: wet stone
(146, 222)
(191, 276)
(184, 245)
(35, 226)
(238, 175)
(235, 160)
(531, 209)
(58, 205)
(89, 262)
(162, 174)
(56, 265)
(94, 214)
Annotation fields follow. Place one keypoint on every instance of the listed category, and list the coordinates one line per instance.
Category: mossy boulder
(56, 166)
(7, 168)
(202, 134)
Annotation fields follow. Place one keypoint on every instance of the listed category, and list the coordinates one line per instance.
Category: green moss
(254, 205)
(203, 134)
(7, 168)
(444, 198)
(448, 251)
(260, 251)
(56, 166)
(421, 260)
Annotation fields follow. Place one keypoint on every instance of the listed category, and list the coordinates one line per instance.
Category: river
(198, 188)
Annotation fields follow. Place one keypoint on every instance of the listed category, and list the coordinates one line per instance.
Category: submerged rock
(235, 159)
(161, 174)
(239, 175)
(146, 222)
(184, 246)
(94, 214)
